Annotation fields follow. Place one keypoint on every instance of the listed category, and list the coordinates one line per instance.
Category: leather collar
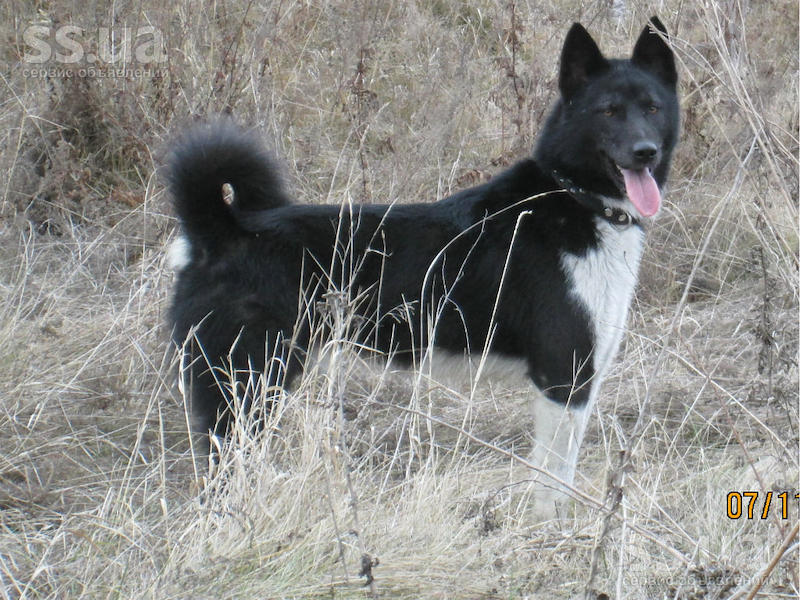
(615, 216)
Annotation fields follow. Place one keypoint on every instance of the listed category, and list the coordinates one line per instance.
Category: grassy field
(360, 478)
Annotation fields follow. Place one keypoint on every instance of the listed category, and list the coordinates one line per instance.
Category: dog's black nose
(645, 152)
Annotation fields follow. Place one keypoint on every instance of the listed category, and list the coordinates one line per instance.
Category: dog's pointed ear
(580, 59)
(653, 54)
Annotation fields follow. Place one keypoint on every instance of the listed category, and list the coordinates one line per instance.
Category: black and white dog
(538, 266)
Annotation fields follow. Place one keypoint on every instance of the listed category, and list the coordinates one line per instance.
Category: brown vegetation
(413, 488)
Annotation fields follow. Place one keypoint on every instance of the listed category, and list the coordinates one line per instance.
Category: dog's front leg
(558, 432)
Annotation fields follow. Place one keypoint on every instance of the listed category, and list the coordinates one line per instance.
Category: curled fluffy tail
(216, 170)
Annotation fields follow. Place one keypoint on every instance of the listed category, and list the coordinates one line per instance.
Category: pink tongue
(642, 191)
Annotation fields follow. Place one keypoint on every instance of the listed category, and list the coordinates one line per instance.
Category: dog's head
(616, 124)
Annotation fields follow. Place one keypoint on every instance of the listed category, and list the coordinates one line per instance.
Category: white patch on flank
(457, 370)
(179, 254)
(454, 370)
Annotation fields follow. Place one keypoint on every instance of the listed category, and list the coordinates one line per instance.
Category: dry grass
(100, 493)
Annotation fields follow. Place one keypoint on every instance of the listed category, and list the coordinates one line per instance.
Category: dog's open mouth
(642, 190)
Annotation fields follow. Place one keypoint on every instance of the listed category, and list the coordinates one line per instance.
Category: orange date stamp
(759, 505)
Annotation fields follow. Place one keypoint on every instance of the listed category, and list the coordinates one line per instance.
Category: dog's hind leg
(558, 433)
(230, 384)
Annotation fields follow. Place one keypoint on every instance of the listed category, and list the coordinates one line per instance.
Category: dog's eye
(652, 109)
(610, 111)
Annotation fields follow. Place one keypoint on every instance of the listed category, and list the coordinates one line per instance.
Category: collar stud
(615, 216)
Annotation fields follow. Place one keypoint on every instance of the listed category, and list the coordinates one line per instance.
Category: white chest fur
(603, 281)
